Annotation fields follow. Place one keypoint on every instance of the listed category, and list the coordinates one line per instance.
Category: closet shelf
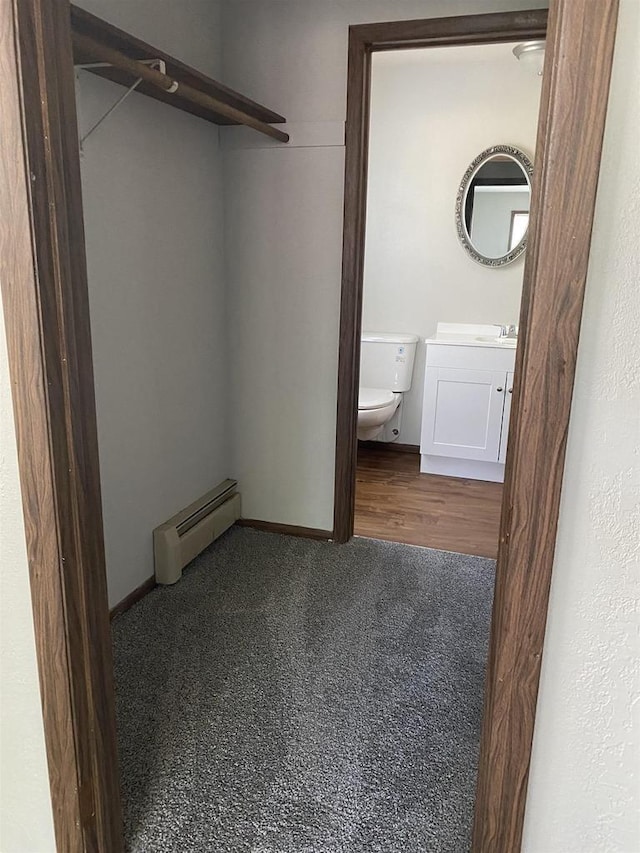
(118, 53)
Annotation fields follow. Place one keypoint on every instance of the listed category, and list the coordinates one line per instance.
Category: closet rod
(107, 54)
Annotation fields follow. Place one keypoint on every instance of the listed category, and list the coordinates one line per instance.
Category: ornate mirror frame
(527, 166)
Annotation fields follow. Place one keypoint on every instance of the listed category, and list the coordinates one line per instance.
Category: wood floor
(395, 501)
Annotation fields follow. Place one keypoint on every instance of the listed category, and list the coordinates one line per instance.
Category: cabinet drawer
(474, 358)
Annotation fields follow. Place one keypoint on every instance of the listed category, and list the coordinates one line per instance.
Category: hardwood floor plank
(394, 501)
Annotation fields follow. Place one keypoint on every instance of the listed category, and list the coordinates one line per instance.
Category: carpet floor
(292, 696)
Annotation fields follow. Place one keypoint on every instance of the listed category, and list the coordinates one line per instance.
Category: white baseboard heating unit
(183, 537)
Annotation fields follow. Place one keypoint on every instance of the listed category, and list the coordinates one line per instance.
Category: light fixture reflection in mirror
(492, 206)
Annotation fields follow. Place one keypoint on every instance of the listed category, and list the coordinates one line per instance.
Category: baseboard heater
(187, 534)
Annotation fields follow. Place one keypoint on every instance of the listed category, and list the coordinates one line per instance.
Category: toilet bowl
(376, 407)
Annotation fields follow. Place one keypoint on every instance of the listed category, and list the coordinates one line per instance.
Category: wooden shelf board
(87, 24)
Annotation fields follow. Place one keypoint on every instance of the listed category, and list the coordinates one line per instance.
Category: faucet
(510, 331)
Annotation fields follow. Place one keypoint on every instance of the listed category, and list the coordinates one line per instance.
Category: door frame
(45, 297)
(364, 41)
(580, 37)
(43, 276)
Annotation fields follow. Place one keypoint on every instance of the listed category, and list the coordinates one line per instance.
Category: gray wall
(152, 188)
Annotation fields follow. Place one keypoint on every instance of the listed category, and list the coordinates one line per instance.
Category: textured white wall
(283, 243)
(152, 189)
(584, 792)
(26, 824)
(432, 112)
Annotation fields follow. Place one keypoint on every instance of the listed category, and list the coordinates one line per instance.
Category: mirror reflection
(493, 206)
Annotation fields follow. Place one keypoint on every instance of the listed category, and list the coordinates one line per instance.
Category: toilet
(386, 369)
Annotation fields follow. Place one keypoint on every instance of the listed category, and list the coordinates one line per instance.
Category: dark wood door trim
(353, 241)
(575, 92)
(456, 30)
(45, 297)
(573, 107)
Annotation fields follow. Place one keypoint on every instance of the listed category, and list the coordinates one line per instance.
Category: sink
(499, 339)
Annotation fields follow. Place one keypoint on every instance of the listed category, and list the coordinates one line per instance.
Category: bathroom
(431, 475)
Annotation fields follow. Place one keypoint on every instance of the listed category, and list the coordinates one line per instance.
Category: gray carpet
(290, 696)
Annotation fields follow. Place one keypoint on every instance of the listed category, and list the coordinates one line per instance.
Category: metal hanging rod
(89, 65)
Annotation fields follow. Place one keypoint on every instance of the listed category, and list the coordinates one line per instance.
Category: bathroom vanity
(467, 401)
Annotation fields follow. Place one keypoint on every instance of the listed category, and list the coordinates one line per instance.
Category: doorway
(441, 292)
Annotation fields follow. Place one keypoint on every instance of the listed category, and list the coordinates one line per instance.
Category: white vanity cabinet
(466, 408)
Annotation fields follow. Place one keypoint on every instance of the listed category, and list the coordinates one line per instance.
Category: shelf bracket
(87, 66)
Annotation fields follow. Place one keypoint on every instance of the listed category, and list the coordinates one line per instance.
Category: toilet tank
(386, 360)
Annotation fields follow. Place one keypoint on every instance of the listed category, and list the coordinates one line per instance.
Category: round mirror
(492, 206)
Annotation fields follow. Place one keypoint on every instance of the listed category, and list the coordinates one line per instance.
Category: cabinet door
(505, 419)
(462, 414)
